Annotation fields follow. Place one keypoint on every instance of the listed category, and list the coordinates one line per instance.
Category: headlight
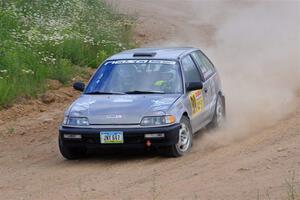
(158, 120)
(76, 121)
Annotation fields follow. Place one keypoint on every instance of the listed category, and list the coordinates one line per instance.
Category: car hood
(121, 109)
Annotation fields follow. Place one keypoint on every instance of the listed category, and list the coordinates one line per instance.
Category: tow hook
(148, 143)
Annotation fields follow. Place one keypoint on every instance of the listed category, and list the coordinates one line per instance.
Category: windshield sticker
(196, 101)
(118, 62)
(165, 62)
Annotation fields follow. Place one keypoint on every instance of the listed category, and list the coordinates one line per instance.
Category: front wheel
(185, 140)
(71, 153)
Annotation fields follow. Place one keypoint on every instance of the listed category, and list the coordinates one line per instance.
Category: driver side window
(204, 64)
(190, 70)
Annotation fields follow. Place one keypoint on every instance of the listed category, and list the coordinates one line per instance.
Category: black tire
(175, 150)
(71, 153)
(216, 122)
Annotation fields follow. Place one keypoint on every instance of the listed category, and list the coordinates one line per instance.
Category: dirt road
(256, 157)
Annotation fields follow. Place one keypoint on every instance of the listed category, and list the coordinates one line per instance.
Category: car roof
(173, 53)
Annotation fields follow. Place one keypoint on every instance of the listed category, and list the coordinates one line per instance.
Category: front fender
(178, 109)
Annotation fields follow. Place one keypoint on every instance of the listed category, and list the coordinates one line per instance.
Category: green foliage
(48, 39)
(101, 56)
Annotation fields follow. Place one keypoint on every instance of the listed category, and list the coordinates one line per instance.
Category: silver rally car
(145, 98)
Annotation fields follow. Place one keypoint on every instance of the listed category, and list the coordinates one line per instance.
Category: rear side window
(204, 64)
(190, 70)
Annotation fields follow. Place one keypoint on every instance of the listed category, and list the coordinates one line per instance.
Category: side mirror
(194, 86)
(79, 86)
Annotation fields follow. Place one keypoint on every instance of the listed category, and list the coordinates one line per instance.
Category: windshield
(136, 77)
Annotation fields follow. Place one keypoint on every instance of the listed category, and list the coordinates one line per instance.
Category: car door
(207, 72)
(196, 99)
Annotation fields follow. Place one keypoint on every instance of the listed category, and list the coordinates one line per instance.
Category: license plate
(111, 137)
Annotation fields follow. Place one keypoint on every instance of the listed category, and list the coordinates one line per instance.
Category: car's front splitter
(133, 137)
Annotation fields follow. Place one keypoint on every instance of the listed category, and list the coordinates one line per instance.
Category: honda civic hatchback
(144, 98)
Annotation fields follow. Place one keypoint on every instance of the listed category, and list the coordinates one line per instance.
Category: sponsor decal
(196, 101)
(114, 116)
(118, 62)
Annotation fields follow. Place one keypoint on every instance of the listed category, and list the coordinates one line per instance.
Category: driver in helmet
(166, 81)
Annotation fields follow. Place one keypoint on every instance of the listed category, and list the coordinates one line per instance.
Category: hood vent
(141, 54)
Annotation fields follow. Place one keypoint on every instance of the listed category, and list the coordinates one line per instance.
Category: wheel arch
(186, 115)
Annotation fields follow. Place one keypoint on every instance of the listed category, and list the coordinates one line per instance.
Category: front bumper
(133, 137)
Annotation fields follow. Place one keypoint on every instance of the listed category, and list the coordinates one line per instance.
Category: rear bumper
(133, 137)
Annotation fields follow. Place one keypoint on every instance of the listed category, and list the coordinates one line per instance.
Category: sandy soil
(262, 164)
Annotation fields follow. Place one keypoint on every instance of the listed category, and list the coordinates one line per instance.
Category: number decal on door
(196, 101)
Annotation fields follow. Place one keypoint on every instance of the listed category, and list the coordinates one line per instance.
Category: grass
(51, 39)
(291, 188)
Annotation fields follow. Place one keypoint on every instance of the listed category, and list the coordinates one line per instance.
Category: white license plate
(111, 137)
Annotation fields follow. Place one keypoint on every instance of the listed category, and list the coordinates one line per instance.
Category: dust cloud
(256, 48)
(257, 52)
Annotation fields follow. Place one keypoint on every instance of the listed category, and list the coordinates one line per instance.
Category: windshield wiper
(144, 92)
(98, 92)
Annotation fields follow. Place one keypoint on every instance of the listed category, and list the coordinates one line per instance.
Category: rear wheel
(71, 153)
(219, 115)
(185, 140)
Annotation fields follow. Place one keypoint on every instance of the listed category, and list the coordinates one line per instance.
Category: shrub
(47, 39)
